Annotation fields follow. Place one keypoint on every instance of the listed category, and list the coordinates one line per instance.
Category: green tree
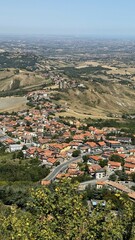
(133, 177)
(85, 158)
(20, 155)
(76, 153)
(68, 140)
(117, 158)
(14, 155)
(122, 176)
(24, 147)
(103, 163)
(113, 177)
(59, 212)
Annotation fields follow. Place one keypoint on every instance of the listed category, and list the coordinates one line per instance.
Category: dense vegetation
(25, 61)
(126, 126)
(61, 212)
(17, 92)
(10, 172)
(72, 72)
(13, 168)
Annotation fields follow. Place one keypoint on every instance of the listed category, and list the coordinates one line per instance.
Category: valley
(89, 78)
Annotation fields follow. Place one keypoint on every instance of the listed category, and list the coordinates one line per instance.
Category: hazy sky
(96, 17)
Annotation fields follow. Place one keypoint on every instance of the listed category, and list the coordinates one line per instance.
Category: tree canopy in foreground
(60, 212)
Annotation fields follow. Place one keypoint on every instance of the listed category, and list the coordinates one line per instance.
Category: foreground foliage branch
(60, 212)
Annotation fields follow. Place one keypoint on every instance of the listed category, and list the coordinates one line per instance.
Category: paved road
(60, 168)
(64, 166)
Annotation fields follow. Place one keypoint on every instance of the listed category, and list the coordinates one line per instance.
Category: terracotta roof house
(45, 182)
(93, 168)
(129, 167)
(94, 159)
(62, 175)
(132, 152)
(92, 145)
(113, 144)
(96, 171)
(78, 137)
(52, 160)
(100, 184)
(130, 160)
(84, 148)
(102, 144)
(114, 165)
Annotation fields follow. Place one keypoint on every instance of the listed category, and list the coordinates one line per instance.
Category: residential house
(129, 167)
(130, 160)
(84, 148)
(100, 173)
(132, 152)
(45, 182)
(75, 145)
(79, 138)
(92, 146)
(100, 184)
(96, 171)
(102, 144)
(15, 147)
(125, 140)
(114, 165)
(113, 144)
(62, 175)
(94, 159)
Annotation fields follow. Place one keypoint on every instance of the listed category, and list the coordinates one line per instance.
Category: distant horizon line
(47, 35)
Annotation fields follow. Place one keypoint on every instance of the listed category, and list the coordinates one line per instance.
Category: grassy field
(24, 78)
(99, 100)
(8, 158)
(95, 114)
(121, 69)
(12, 104)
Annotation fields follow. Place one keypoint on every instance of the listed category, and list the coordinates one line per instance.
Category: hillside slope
(10, 80)
(104, 99)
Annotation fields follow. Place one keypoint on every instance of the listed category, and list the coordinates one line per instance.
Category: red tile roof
(96, 158)
(91, 144)
(52, 160)
(94, 168)
(114, 164)
(44, 182)
(102, 143)
(130, 160)
(114, 142)
(129, 165)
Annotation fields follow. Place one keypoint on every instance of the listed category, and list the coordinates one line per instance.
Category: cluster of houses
(39, 134)
(111, 185)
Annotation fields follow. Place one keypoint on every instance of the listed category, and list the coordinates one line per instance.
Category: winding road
(60, 169)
